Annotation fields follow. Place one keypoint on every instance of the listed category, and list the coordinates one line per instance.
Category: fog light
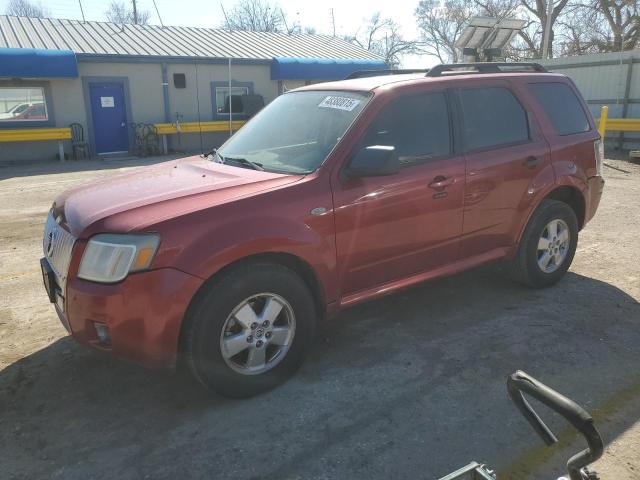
(104, 338)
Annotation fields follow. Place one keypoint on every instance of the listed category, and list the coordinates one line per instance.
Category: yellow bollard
(602, 124)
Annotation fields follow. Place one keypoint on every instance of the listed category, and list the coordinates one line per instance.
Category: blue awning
(289, 68)
(37, 63)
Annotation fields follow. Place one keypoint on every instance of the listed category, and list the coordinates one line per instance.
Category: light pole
(547, 30)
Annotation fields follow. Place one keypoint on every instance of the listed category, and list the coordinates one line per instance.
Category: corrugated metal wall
(611, 79)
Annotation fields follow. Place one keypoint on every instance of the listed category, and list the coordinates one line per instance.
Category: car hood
(175, 188)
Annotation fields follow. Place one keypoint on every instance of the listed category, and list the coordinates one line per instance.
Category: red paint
(378, 234)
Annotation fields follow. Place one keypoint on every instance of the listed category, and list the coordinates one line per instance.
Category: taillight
(598, 147)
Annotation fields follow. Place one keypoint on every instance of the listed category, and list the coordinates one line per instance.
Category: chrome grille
(57, 244)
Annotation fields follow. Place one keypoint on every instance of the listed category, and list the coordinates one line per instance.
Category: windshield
(295, 132)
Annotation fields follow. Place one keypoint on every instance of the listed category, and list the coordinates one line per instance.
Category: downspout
(166, 140)
(165, 93)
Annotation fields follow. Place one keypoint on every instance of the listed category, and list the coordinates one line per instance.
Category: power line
(158, 12)
(81, 10)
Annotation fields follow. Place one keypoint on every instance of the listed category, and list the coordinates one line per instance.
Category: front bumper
(143, 313)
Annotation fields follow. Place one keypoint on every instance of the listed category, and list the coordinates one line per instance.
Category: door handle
(531, 162)
(123, 124)
(441, 182)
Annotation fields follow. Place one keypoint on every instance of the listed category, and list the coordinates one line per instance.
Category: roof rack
(484, 67)
(375, 73)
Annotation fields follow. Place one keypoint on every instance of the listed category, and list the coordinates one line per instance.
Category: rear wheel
(249, 332)
(547, 246)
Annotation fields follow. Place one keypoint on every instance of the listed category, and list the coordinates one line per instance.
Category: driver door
(390, 227)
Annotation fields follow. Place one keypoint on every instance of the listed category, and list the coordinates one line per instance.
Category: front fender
(300, 240)
(203, 243)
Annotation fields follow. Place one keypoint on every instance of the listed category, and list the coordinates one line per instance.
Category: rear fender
(566, 181)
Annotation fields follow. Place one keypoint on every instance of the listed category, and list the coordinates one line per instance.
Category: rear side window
(492, 116)
(562, 107)
(417, 126)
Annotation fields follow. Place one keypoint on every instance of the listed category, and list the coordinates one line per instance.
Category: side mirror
(374, 161)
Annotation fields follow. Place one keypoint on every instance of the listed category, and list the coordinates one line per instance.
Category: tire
(526, 266)
(250, 286)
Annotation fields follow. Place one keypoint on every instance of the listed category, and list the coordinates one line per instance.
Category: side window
(417, 126)
(561, 106)
(492, 116)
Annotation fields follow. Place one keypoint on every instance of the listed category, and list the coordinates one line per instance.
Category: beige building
(108, 77)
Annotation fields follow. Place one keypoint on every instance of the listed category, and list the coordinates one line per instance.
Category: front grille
(57, 245)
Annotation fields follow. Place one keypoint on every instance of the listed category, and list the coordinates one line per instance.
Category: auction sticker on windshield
(341, 103)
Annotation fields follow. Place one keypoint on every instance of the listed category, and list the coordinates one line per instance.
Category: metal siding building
(129, 70)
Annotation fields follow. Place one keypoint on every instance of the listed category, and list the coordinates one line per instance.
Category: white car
(16, 110)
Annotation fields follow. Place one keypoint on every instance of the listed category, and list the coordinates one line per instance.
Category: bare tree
(119, 12)
(578, 30)
(538, 9)
(623, 20)
(440, 24)
(498, 8)
(395, 45)
(255, 16)
(25, 8)
(383, 37)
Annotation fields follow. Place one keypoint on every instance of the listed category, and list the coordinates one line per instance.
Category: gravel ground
(410, 386)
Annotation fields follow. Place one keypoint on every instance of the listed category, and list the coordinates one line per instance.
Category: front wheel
(547, 246)
(249, 332)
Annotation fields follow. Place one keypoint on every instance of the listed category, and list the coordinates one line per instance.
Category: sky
(349, 15)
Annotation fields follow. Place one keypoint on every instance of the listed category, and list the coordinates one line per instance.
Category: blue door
(109, 115)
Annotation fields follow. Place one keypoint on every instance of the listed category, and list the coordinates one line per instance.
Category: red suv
(333, 194)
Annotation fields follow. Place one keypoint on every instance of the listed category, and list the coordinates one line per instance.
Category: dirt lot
(411, 386)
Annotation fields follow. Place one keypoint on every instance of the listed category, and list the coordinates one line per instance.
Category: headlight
(110, 257)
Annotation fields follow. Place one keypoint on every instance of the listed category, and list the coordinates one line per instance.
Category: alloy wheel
(553, 245)
(257, 334)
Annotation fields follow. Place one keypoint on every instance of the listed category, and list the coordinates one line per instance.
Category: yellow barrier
(37, 135)
(606, 124)
(194, 127)
(602, 121)
(165, 129)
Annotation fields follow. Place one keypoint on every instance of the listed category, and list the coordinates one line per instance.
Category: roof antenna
(230, 96)
(82, 11)
(158, 12)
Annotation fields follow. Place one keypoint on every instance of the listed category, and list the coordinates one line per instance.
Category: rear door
(390, 227)
(507, 161)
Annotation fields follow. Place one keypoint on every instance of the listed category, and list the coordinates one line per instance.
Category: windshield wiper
(243, 161)
(211, 156)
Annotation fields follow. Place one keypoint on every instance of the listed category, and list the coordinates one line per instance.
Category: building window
(230, 100)
(179, 80)
(23, 105)
(225, 99)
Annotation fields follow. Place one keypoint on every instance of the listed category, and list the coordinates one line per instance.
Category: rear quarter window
(562, 106)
